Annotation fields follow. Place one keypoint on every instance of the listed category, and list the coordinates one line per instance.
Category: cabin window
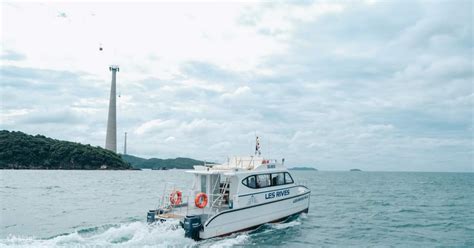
(245, 182)
(278, 179)
(288, 178)
(203, 183)
(263, 181)
(251, 182)
(267, 180)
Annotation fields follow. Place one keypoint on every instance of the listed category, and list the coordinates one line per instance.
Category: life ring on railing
(175, 197)
(201, 200)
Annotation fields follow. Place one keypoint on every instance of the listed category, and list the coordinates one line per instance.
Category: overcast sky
(333, 85)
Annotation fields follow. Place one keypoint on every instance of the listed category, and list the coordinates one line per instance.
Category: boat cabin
(240, 175)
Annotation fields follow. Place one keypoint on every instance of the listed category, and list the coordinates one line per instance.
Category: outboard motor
(192, 225)
(150, 217)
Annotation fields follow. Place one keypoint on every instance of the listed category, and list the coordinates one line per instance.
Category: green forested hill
(22, 151)
(156, 163)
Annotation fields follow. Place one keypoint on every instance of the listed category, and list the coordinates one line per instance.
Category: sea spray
(134, 234)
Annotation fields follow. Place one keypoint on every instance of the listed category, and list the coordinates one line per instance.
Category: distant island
(161, 164)
(22, 151)
(303, 168)
(355, 170)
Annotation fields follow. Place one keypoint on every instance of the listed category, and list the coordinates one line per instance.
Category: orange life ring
(175, 197)
(201, 200)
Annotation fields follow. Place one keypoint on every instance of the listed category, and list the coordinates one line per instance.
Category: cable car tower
(111, 138)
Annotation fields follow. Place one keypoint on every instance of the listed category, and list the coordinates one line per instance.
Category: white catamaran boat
(239, 195)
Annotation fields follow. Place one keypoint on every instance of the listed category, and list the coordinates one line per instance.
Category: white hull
(246, 218)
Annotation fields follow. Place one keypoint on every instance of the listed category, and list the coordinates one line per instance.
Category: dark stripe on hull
(257, 226)
(238, 209)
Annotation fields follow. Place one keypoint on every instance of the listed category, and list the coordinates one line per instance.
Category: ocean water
(357, 209)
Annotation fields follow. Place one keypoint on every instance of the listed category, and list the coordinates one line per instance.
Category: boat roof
(236, 165)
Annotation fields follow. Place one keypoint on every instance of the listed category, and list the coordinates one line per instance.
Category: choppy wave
(233, 240)
(137, 234)
(134, 234)
(286, 225)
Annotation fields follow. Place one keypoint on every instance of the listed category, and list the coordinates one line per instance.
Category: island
(303, 168)
(162, 164)
(22, 151)
(355, 170)
(19, 150)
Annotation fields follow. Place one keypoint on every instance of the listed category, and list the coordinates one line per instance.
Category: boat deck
(181, 212)
(170, 216)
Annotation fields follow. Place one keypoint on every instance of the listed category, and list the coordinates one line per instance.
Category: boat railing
(249, 163)
(211, 208)
(187, 205)
(164, 201)
(245, 163)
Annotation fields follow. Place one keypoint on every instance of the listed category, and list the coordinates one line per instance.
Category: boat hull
(247, 218)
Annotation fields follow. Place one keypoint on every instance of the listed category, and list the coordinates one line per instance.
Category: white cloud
(10, 115)
(238, 93)
(375, 85)
(154, 125)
